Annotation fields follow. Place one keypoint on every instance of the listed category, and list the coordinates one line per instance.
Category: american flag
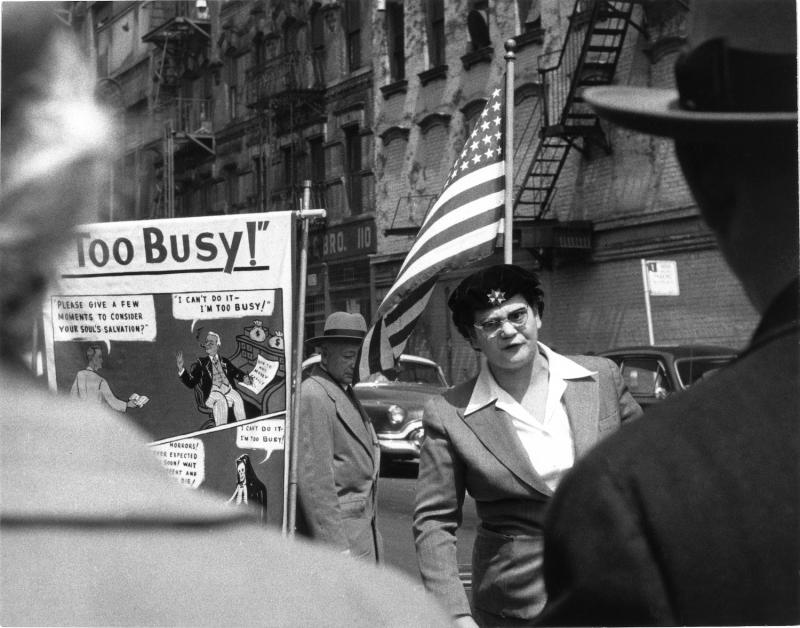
(461, 227)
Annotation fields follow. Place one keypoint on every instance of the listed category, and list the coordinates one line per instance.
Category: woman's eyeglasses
(492, 326)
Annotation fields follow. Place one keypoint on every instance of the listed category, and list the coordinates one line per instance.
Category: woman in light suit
(507, 437)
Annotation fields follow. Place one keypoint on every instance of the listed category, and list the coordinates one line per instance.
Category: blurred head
(733, 117)
(55, 147)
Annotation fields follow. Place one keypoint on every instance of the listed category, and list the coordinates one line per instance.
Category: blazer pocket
(352, 507)
(608, 423)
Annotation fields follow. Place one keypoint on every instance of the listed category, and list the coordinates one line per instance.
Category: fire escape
(181, 43)
(287, 91)
(591, 51)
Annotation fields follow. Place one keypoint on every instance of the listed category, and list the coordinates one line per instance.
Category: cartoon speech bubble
(196, 306)
(104, 318)
(185, 460)
(267, 434)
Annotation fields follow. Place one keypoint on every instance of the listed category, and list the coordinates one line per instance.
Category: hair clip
(496, 297)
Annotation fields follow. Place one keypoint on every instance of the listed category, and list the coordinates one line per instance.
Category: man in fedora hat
(339, 455)
(690, 517)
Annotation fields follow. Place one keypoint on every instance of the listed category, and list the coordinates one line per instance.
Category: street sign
(662, 278)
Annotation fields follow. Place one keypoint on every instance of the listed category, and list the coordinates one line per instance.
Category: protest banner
(186, 326)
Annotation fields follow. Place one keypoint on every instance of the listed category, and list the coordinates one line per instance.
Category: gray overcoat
(338, 466)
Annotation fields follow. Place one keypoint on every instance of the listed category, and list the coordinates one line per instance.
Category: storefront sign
(343, 241)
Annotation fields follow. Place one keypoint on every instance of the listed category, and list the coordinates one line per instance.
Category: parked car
(395, 406)
(654, 373)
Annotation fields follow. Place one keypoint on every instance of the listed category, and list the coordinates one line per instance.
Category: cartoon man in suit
(339, 454)
(217, 377)
(507, 436)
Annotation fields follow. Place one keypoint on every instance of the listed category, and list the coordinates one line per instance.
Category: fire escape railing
(591, 50)
(281, 77)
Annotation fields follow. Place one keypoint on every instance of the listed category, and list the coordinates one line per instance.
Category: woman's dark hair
(474, 293)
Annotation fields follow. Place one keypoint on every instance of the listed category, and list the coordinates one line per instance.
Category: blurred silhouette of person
(249, 491)
(691, 516)
(93, 530)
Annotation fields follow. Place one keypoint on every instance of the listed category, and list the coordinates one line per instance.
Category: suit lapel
(347, 411)
(581, 400)
(495, 429)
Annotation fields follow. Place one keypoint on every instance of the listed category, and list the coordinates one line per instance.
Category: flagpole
(649, 313)
(508, 152)
(305, 214)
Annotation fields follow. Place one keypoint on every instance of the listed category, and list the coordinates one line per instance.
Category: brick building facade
(228, 107)
(626, 186)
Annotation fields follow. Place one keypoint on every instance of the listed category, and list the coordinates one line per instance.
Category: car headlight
(417, 436)
(396, 414)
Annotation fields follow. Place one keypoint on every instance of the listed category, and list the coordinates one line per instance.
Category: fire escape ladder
(590, 55)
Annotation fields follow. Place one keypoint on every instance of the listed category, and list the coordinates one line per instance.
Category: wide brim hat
(737, 77)
(341, 326)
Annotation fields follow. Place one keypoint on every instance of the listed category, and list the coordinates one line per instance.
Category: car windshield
(418, 373)
(690, 370)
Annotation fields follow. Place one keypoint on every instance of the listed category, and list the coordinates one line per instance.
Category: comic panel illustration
(175, 363)
(241, 465)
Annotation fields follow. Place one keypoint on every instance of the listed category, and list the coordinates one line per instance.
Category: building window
(530, 16)
(287, 176)
(436, 39)
(259, 49)
(478, 25)
(395, 38)
(231, 188)
(353, 34)
(472, 111)
(317, 167)
(259, 183)
(352, 165)
(318, 45)
(233, 93)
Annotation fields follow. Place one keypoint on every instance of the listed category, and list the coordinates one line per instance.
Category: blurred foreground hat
(342, 326)
(738, 76)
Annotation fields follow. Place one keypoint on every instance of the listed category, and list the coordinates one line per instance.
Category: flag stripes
(461, 227)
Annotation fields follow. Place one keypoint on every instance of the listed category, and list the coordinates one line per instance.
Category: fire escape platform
(178, 28)
(590, 54)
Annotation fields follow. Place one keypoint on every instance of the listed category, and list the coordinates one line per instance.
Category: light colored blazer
(482, 454)
(338, 466)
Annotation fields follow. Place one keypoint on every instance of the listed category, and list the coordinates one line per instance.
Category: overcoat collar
(349, 412)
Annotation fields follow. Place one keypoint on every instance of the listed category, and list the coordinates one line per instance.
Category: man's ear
(473, 341)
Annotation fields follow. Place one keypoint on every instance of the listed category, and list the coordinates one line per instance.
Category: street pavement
(395, 511)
